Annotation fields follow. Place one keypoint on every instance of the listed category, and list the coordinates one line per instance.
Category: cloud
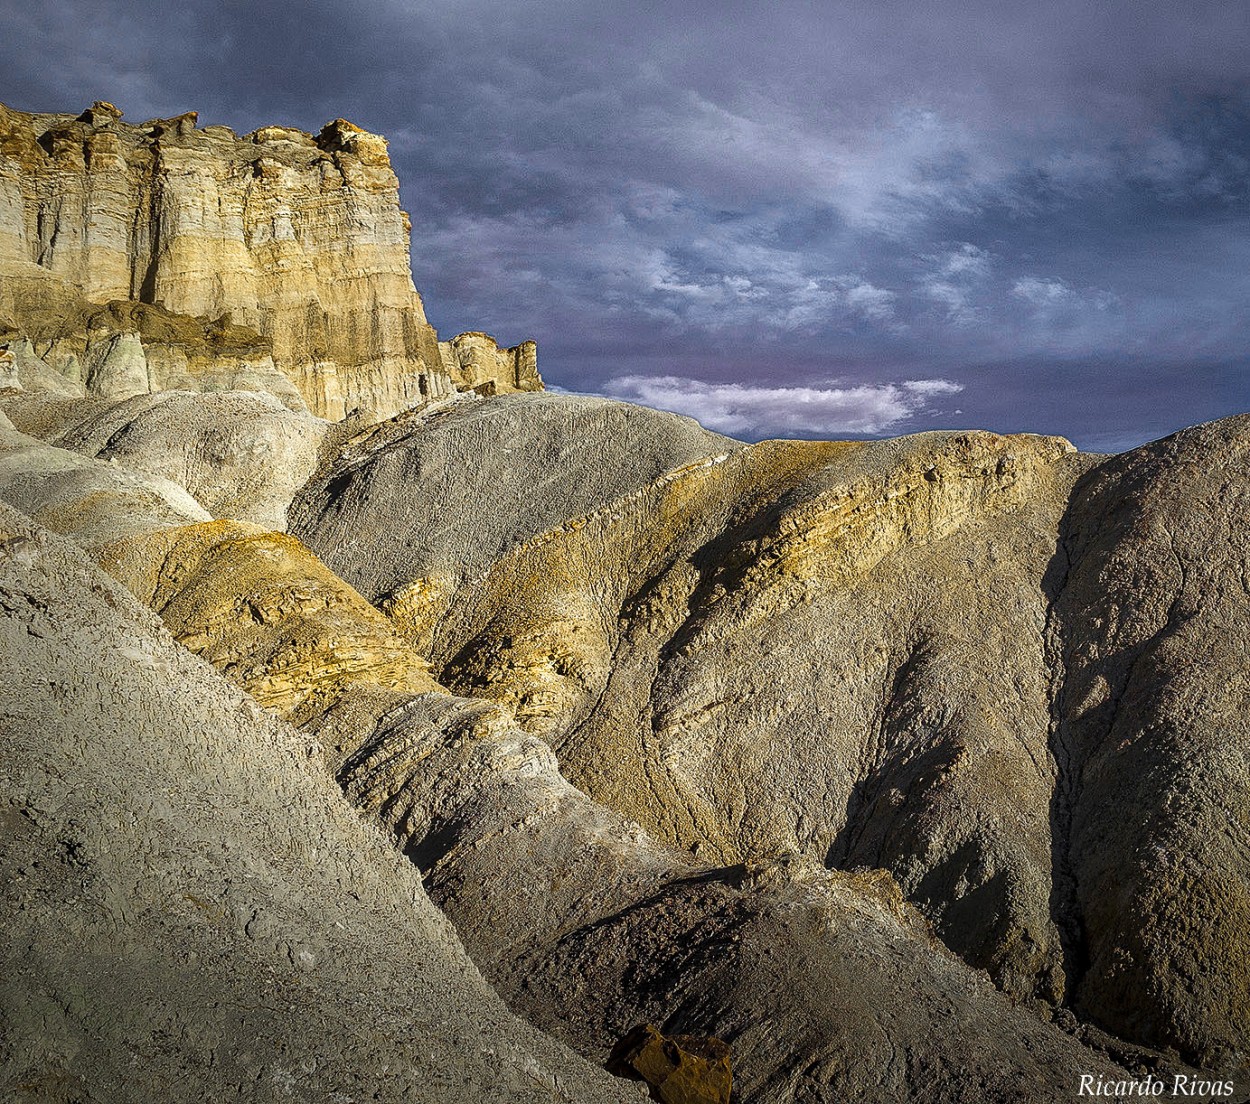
(927, 387)
(756, 412)
(952, 278)
(871, 302)
(1042, 292)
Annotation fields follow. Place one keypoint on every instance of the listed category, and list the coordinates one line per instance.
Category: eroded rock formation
(867, 655)
(911, 770)
(160, 256)
(562, 900)
(739, 740)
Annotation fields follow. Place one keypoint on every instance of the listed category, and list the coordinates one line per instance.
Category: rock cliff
(142, 258)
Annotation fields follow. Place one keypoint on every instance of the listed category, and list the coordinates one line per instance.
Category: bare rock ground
(787, 744)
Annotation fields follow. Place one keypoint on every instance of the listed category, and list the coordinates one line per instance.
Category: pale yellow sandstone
(261, 606)
(292, 245)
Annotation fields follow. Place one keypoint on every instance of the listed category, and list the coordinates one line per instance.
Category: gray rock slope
(443, 495)
(241, 454)
(1007, 673)
(190, 910)
(740, 739)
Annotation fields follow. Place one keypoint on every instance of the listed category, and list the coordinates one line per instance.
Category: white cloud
(1057, 306)
(736, 408)
(932, 387)
(965, 262)
(874, 303)
(1042, 292)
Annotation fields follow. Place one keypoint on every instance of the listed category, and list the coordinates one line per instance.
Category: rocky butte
(166, 256)
(485, 741)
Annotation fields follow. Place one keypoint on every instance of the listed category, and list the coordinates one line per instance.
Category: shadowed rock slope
(1152, 739)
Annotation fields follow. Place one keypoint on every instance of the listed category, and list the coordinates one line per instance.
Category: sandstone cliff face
(275, 261)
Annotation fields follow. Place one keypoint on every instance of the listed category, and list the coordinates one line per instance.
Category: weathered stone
(241, 454)
(295, 245)
(92, 502)
(683, 1069)
(1153, 745)
(10, 380)
(475, 362)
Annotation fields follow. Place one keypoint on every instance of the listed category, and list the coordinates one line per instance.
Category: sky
(787, 219)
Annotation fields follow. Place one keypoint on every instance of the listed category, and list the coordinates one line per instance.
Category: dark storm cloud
(796, 209)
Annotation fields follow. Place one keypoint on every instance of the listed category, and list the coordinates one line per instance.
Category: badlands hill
(426, 752)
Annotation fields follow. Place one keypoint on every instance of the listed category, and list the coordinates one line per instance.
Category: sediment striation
(167, 255)
(892, 770)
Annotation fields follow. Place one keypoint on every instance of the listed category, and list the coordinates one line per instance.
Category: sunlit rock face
(142, 258)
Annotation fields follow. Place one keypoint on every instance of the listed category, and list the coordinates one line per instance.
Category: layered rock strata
(165, 255)
(475, 362)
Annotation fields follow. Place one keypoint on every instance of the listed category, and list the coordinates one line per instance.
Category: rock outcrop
(475, 362)
(162, 256)
(686, 1069)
